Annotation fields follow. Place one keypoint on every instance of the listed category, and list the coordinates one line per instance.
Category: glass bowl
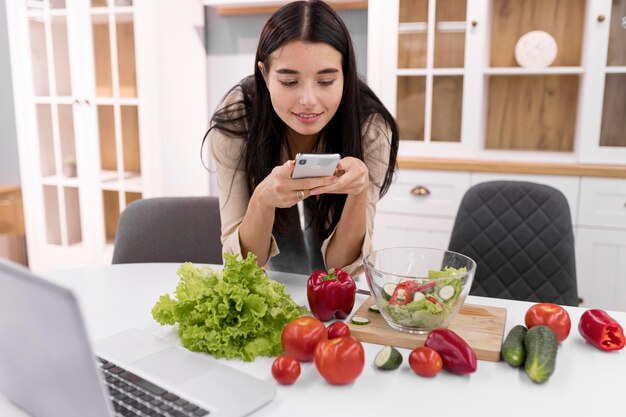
(418, 289)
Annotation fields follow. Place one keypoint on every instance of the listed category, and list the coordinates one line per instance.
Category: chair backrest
(520, 235)
(169, 229)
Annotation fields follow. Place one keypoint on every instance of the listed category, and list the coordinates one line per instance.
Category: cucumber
(359, 320)
(388, 290)
(388, 358)
(513, 351)
(374, 308)
(541, 345)
(418, 296)
(446, 292)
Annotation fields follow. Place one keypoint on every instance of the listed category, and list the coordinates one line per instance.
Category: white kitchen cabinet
(396, 230)
(603, 203)
(105, 114)
(447, 70)
(419, 208)
(601, 262)
(601, 243)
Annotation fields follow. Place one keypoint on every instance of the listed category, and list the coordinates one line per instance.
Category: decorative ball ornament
(536, 49)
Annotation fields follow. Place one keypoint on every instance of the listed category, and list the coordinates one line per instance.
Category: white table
(587, 381)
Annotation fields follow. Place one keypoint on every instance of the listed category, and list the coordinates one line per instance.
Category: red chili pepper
(410, 285)
(458, 357)
(601, 330)
(331, 294)
(434, 301)
(401, 295)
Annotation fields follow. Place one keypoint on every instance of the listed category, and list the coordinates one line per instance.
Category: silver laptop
(49, 369)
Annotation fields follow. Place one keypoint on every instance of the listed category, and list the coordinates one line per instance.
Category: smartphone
(310, 165)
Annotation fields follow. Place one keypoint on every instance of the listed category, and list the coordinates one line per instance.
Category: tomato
(338, 329)
(425, 361)
(300, 336)
(552, 315)
(340, 360)
(286, 369)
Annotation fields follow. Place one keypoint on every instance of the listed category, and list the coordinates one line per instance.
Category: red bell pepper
(601, 330)
(331, 294)
(457, 356)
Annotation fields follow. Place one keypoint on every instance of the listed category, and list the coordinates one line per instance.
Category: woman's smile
(307, 117)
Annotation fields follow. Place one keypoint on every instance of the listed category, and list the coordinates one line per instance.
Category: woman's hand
(353, 178)
(279, 190)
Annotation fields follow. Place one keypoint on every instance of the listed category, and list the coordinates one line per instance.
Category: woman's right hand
(279, 190)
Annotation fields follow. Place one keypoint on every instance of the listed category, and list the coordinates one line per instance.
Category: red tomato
(300, 336)
(340, 360)
(552, 315)
(286, 369)
(425, 361)
(338, 329)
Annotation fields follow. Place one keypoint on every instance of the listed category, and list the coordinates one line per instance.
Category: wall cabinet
(447, 70)
(98, 105)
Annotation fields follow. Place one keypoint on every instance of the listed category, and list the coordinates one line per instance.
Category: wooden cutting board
(482, 327)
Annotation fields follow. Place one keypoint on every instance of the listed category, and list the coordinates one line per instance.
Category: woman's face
(305, 81)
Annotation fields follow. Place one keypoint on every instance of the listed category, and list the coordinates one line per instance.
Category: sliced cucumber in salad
(388, 290)
(446, 292)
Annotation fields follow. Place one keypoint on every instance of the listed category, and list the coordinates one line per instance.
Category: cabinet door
(393, 230)
(601, 279)
(424, 192)
(417, 65)
(43, 53)
(602, 122)
(603, 203)
(112, 111)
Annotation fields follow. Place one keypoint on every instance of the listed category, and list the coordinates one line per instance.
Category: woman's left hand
(353, 178)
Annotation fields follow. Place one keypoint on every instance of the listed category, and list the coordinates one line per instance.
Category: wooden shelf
(232, 8)
(539, 168)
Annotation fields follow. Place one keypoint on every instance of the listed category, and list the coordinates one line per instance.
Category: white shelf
(533, 71)
(131, 181)
(422, 27)
(56, 180)
(405, 72)
(616, 70)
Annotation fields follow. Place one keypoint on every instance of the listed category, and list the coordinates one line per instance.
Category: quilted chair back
(520, 235)
(169, 229)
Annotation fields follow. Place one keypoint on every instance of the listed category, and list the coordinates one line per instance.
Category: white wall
(9, 165)
(231, 46)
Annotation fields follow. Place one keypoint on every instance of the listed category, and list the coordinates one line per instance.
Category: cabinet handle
(601, 18)
(474, 23)
(420, 191)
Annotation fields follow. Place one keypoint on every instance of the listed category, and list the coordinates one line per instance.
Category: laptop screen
(46, 363)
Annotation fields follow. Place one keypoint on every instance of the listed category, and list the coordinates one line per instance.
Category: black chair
(520, 235)
(169, 229)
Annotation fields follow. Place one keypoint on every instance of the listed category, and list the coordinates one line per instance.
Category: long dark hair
(264, 131)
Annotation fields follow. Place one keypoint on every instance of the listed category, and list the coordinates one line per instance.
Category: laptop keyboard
(132, 395)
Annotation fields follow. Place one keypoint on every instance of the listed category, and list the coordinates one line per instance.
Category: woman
(304, 97)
